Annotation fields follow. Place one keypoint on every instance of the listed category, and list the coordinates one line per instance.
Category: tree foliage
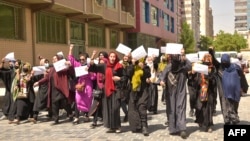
(229, 42)
(187, 38)
(205, 43)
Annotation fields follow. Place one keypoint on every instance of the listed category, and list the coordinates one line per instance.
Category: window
(172, 24)
(114, 38)
(166, 3)
(96, 36)
(145, 12)
(166, 21)
(172, 5)
(12, 22)
(154, 16)
(99, 2)
(110, 3)
(76, 31)
(51, 28)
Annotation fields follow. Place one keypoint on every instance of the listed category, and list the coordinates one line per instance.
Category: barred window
(96, 36)
(51, 28)
(114, 38)
(76, 31)
(12, 22)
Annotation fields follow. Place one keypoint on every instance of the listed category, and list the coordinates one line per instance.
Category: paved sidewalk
(65, 131)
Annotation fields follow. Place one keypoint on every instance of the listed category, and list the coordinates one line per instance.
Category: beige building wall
(206, 18)
(29, 49)
(191, 14)
(23, 49)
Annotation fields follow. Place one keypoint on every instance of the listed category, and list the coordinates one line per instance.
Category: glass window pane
(12, 21)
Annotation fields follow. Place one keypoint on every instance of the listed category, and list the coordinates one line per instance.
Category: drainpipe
(33, 27)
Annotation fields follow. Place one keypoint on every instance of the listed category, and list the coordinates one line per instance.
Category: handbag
(97, 93)
(21, 95)
(79, 87)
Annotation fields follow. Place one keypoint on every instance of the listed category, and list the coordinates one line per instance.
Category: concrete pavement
(65, 131)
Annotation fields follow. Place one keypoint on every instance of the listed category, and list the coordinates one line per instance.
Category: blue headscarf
(231, 80)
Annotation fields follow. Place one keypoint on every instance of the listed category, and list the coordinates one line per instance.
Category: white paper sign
(173, 48)
(80, 71)
(60, 65)
(139, 53)
(10, 56)
(163, 50)
(200, 68)
(153, 52)
(88, 60)
(96, 61)
(38, 70)
(192, 57)
(123, 49)
(60, 53)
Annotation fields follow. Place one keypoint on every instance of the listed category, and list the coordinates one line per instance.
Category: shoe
(32, 120)
(145, 131)
(76, 121)
(110, 131)
(10, 121)
(16, 121)
(183, 134)
(125, 119)
(236, 122)
(55, 122)
(209, 130)
(3, 117)
(175, 133)
(137, 130)
(155, 112)
(71, 118)
(93, 125)
(191, 113)
(118, 130)
(166, 123)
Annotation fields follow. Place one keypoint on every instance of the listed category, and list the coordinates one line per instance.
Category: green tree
(229, 42)
(205, 43)
(187, 38)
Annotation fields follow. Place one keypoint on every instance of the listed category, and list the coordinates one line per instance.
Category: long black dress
(176, 95)
(111, 105)
(7, 76)
(138, 103)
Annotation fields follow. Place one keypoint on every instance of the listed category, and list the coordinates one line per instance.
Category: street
(43, 130)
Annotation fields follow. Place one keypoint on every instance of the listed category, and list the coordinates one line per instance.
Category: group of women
(111, 84)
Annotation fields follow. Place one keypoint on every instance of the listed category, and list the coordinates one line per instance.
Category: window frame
(113, 45)
(98, 41)
(51, 28)
(18, 23)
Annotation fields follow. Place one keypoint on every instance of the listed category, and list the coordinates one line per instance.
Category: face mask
(206, 63)
(11, 66)
(46, 65)
(225, 65)
(25, 70)
(16, 67)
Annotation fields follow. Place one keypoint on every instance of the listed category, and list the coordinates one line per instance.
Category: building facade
(191, 15)
(206, 19)
(156, 23)
(30, 28)
(242, 17)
